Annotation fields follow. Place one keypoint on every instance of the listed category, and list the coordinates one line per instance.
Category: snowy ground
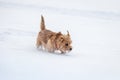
(95, 35)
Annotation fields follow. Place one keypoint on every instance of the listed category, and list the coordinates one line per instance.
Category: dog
(53, 41)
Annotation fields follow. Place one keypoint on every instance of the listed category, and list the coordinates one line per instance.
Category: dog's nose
(70, 49)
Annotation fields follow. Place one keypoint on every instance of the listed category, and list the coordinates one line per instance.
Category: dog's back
(45, 35)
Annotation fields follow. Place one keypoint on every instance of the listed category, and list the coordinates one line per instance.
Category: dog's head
(63, 42)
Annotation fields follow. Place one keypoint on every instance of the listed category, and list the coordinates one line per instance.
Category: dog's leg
(50, 46)
(38, 43)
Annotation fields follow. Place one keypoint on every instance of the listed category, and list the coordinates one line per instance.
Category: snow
(95, 33)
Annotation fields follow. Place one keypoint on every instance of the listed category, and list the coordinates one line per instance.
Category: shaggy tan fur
(52, 41)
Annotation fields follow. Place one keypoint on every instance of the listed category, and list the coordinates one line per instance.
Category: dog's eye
(66, 44)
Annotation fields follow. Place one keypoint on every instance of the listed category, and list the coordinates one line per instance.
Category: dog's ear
(68, 33)
(58, 34)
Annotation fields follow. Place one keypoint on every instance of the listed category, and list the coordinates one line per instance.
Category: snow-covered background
(94, 26)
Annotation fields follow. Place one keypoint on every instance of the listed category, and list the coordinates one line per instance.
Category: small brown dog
(52, 41)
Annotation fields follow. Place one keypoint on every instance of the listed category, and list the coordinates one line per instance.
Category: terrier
(53, 41)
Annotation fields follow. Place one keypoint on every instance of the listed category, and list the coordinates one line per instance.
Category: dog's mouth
(66, 51)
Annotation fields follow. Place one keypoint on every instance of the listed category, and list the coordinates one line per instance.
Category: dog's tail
(42, 25)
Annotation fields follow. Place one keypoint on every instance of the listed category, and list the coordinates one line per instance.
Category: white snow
(95, 34)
